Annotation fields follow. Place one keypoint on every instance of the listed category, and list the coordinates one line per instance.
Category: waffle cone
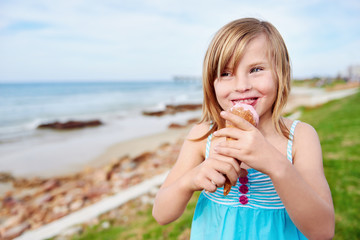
(248, 116)
(243, 113)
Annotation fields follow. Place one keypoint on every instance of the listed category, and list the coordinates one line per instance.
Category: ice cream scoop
(248, 113)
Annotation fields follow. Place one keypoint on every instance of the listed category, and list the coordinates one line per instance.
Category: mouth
(249, 101)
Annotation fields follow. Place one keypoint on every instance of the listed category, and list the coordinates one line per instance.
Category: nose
(243, 84)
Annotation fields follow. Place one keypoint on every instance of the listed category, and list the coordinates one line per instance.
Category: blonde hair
(227, 47)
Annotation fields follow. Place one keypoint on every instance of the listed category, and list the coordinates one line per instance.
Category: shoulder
(192, 144)
(306, 144)
(305, 131)
(301, 130)
(198, 130)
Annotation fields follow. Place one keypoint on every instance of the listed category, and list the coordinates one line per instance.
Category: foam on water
(26, 150)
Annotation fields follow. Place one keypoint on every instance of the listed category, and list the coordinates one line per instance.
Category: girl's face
(251, 82)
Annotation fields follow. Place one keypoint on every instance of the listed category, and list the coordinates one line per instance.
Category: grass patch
(338, 126)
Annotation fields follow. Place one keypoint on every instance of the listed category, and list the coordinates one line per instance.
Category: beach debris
(5, 177)
(34, 202)
(14, 231)
(70, 124)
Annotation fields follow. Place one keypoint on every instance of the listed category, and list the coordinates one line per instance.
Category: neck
(266, 126)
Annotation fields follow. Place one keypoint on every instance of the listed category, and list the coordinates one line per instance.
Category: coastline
(60, 153)
(56, 153)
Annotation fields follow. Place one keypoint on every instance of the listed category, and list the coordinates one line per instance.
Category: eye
(225, 74)
(256, 69)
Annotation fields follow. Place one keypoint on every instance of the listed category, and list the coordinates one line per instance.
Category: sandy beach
(117, 167)
(140, 145)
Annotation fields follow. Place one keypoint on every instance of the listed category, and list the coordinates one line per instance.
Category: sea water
(26, 150)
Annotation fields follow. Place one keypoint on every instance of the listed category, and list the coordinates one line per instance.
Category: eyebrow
(257, 63)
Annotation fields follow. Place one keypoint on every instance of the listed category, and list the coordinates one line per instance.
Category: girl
(279, 188)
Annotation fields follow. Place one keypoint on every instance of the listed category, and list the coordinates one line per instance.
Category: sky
(111, 40)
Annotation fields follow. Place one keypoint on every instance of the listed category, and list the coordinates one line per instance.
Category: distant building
(354, 73)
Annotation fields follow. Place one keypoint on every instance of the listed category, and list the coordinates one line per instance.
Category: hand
(248, 144)
(210, 174)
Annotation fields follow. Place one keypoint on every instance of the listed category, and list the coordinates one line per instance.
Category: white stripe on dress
(261, 194)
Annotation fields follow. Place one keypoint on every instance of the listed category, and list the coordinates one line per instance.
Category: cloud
(156, 39)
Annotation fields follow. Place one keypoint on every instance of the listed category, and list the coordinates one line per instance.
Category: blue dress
(252, 210)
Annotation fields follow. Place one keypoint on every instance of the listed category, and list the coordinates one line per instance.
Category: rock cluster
(172, 109)
(189, 122)
(71, 124)
(35, 202)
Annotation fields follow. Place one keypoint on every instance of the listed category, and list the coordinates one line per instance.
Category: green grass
(338, 126)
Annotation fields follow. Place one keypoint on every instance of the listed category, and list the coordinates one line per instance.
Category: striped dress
(252, 209)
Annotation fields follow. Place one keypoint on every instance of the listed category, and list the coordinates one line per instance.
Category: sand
(135, 147)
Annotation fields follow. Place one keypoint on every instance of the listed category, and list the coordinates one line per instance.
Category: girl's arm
(191, 173)
(303, 187)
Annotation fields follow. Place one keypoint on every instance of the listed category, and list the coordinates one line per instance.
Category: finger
(209, 187)
(233, 133)
(228, 170)
(230, 152)
(228, 144)
(216, 178)
(234, 162)
(236, 121)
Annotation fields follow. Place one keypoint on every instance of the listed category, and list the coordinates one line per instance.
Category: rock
(156, 162)
(142, 157)
(69, 232)
(145, 199)
(71, 124)
(76, 205)
(154, 113)
(43, 199)
(15, 231)
(175, 126)
(50, 185)
(97, 191)
(172, 109)
(27, 183)
(6, 177)
(9, 202)
(192, 121)
(183, 107)
(105, 225)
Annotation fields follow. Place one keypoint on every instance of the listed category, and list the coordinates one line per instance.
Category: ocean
(119, 105)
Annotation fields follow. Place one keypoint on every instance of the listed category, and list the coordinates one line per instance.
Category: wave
(30, 105)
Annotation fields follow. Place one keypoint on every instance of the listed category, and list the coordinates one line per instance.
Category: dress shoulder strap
(290, 141)
(208, 143)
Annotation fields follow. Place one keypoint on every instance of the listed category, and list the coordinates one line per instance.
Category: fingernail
(223, 113)
(216, 133)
